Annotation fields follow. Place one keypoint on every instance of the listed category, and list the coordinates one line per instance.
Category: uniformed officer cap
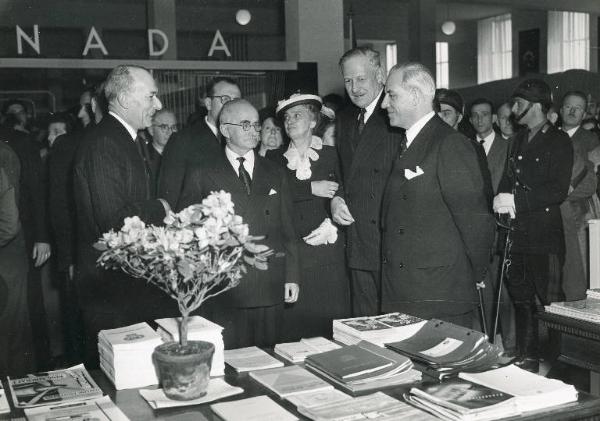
(534, 90)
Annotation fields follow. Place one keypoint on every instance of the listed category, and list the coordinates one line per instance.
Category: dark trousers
(531, 276)
(365, 289)
(242, 327)
(71, 319)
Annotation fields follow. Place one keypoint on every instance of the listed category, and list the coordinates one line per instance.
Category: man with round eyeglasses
(164, 125)
(196, 144)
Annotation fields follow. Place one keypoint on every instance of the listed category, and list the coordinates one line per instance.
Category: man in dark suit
(437, 226)
(367, 146)
(197, 143)
(495, 148)
(164, 126)
(534, 184)
(251, 312)
(112, 182)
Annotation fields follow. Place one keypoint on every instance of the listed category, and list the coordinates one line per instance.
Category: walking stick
(506, 262)
(482, 308)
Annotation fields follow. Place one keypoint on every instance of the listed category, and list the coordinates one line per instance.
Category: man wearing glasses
(251, 312)
(164, 125)
(196, 144)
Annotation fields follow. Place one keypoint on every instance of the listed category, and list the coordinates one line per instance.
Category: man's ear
(124, 100)
(224, 129)
(380, 75)
(460, 117)
(495, 119)
(208, 103)
(313, 124)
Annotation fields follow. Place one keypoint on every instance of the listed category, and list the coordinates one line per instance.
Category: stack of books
(362, 368)
(290, 380)
(379, 330)
(296, 352)
(126, 355)
(53, 388)
(459, 399)
(250, 358)
(199, 329)
(588, 309)
(441, 349)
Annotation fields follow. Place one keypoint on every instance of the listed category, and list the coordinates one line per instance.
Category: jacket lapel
(260, 185)
(225, 177)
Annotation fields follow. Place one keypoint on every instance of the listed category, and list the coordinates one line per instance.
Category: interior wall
(523, 20)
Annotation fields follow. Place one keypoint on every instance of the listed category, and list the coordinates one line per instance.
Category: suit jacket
(539, 170)
(437, 227)
(585, 140)
(111, 183)
(33, 196)
(365, 171)
(496, 159)
(267, 211)
(185, 150)
(61, 198)
(309, 210)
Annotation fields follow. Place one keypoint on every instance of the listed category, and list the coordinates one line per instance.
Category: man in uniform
(534, 184)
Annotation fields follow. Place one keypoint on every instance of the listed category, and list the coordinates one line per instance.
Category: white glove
(326, 233)
(505, 203)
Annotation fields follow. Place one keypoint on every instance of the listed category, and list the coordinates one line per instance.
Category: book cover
(130, 337)
(250, 358)
(4, 406)
(287, 381)
(349, 361)
(53, 387)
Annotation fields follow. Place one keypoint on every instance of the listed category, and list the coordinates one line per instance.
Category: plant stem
(183, 329)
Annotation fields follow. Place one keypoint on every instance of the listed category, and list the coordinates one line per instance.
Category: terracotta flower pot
(183, 372)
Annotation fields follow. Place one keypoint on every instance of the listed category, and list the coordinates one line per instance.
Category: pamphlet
(259, 408)
(53, 387)
(4, 406)
(250, 358)
(217, 389)
(101, 409)
(291, 380)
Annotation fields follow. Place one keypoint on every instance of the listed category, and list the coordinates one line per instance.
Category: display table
(136, 408)
(579, 344)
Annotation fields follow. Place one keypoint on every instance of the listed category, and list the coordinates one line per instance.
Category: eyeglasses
(224, 98)
(165, 127)
(245, 125)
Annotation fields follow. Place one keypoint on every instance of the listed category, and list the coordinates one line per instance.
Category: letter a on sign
(218, 43)
(94, 41)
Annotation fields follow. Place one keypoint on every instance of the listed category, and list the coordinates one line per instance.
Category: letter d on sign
(165, 46)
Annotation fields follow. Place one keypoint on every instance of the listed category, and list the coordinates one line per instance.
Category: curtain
(442, 79)
(494, 48)
(568, 41)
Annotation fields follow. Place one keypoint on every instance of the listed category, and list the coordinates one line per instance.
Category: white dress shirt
(572, 131)
(248, 162)
(132, 132)
(371, 107)
(487, 141)
(414, 130)
(212, 127)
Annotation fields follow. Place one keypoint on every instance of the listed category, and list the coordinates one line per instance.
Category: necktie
(143, 151)
(360, 125)
(403, 145)
(244, 176)
(481, 142)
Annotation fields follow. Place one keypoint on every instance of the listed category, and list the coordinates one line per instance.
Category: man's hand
(41, 253)
(505, 203)
(291, 292)
(324, 188)
(340, 212)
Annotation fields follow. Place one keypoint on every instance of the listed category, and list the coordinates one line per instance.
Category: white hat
(297, 99)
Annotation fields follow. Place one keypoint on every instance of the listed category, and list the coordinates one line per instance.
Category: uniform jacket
(540, 172)
(365, 171)
(437, 227)
(185, 150)
(267, 211)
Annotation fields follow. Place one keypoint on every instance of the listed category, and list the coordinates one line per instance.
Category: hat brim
(299, 100)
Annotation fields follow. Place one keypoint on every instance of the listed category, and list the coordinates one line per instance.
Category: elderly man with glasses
(196, 144)
(250, 313)
(164, 125)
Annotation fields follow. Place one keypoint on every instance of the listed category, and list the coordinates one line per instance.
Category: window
(441, 65)
(494, 48)
(391, 56)
(568, 41)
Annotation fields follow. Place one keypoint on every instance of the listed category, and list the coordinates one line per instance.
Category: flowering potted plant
(200, 253)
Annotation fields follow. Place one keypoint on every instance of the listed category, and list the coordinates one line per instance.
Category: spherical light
(243, 17)
(448, 27)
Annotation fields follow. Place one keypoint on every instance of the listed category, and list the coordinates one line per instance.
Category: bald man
(250, 312)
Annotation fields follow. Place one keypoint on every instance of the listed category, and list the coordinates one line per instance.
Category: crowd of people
(382, 204)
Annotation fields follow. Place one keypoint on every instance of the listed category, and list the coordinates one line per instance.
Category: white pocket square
(272, 191)
(409, 174)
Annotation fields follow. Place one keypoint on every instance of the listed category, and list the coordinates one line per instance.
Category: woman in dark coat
(313, 172)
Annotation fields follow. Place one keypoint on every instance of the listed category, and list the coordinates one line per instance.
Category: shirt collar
(248, 162)
(369, 109)
(572, 131)
(414, 130)
(132, 132)
(212, 127)
(487, 141)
